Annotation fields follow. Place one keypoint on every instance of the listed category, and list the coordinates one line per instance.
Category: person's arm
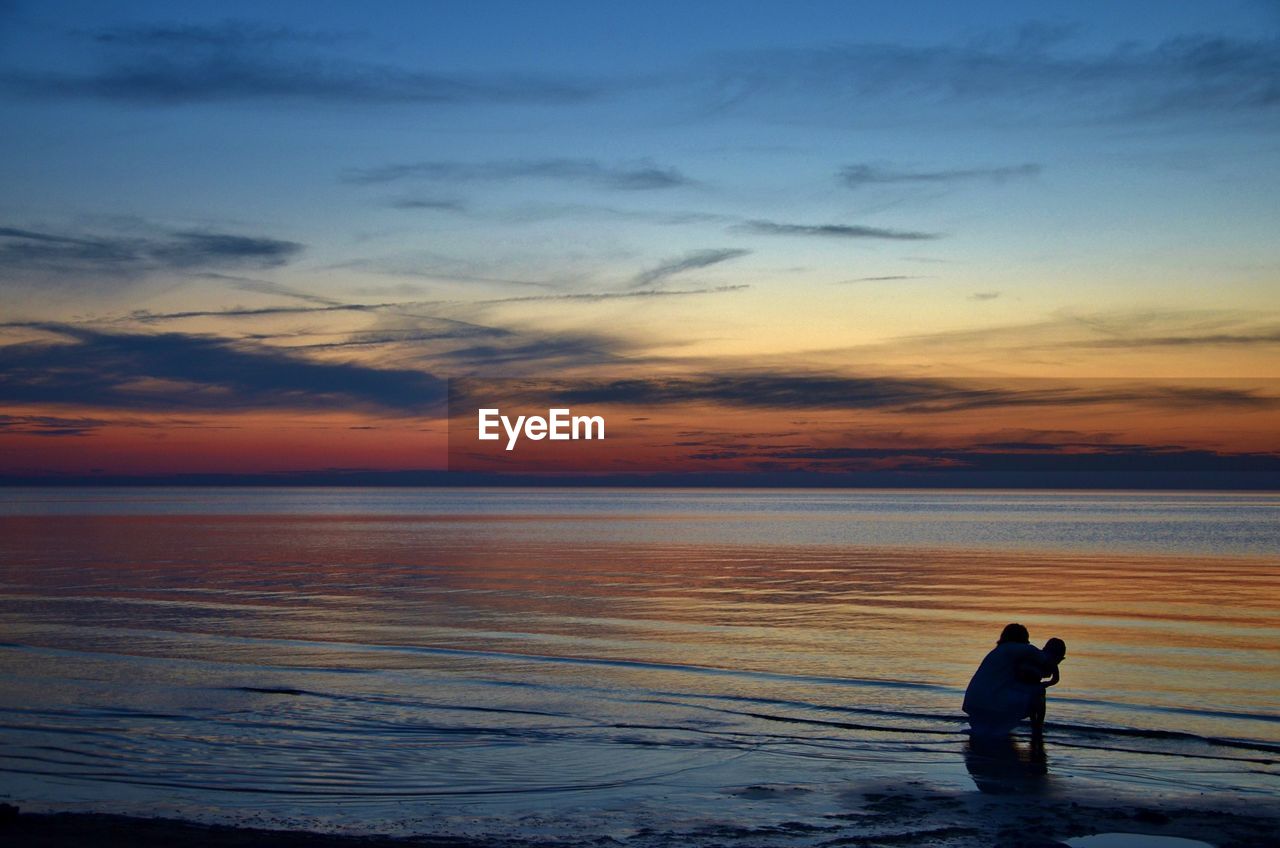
(1029, 670)
(1031, 665)
(1053, 679)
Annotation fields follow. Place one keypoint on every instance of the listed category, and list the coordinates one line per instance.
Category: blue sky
(263, 116)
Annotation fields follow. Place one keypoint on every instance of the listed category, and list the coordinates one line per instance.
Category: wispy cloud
(56, 425)
(588, 297)
(25, 249)
(555, 211)
(163, 65)
(1262, 337)
(178, 371)
(857, 176)
(1164, 466)
(323, 306)
(433, 266)
(174, 81)
(532, 354)
(229, 34)
(842, 231)
(1121, 330)
(1016, 81)
(688, 262)
(145, 316)
(782, 390)
(1028, 78)
(250, 284)
(48, 425)
(468, 348)
(428, 204)
(629, 176)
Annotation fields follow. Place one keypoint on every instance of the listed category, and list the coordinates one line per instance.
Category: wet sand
(910, 816)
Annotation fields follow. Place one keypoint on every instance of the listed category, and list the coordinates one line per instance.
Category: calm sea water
(365, 658)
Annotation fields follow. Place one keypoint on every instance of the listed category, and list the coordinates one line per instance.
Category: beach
(702, 667)
(908, 817)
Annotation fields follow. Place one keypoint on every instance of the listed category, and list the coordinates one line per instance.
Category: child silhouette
(1055, 651)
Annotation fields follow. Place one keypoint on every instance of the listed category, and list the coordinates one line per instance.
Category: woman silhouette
(999, 695)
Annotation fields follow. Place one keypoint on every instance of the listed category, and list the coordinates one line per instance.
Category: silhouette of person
(1006, 689)
(1055, 651)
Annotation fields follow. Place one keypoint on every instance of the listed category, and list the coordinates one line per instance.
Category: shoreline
(909, 815)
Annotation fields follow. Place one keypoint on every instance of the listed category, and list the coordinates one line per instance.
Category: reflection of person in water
(1001, 766)
(1006, 687)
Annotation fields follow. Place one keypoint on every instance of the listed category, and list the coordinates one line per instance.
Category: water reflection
(416, 647)
(1005, 766)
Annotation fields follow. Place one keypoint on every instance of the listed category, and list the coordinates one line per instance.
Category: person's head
(1056, 649)
(1014, 633)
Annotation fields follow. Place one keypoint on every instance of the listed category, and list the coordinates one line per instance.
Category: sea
(400, 659)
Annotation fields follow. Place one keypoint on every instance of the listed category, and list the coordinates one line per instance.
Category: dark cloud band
(840, 231)
(176, 371)
(23, 249)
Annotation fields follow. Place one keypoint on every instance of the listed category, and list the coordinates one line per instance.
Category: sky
(872, 243)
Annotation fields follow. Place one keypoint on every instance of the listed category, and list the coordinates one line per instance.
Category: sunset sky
(902, 239)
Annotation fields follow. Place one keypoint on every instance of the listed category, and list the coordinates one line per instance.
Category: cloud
(886, 278)
(230, 34)
(990, 295)
(48, 425)
(432, 204)
(688, 262)
(55, 426)
(535, 355)
(267, 287)
(764, 390)
(25, 250)
(467, 348)
(1027, 465)
(800, 391)
(844, 231)
(177, 371)
(433, 266)
(194, 249)
(165, 65)
(632, 176)
(1098, 331)
(427, 340)
(1264, 337)
(144, 316)
(594, 212)
(1020, 81)
(588, 297)
(1037, 76)
(323, 306)
(176, 81)
(857, 176)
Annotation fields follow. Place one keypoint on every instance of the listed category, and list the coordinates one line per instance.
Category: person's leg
(1037, 713)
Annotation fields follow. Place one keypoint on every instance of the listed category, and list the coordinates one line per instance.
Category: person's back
(997, 698)
(997, 677)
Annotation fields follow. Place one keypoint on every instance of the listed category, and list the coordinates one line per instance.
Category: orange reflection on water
(1142, 629)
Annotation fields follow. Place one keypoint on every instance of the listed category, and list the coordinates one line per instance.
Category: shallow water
(1134, 840)
(340, 654)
